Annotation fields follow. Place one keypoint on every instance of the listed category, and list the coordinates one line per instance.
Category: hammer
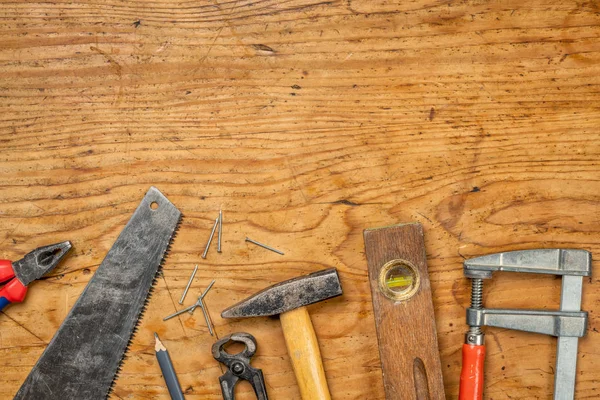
(289, 299)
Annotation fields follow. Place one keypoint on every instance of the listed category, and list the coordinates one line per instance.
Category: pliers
(239, 366)
(19, 274)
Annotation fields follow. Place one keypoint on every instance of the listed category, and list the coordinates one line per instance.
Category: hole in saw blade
(153, 205)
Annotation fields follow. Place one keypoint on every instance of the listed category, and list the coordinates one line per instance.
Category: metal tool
(220, 231)
(199, 303)
(289, 299)
(82, 360)
(568, 323)
(212, 233)
(19, 274)
(167, 369)
(188, 284)
(264, 246)
(239, 366)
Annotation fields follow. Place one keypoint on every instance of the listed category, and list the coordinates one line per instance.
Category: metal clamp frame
(568, 323)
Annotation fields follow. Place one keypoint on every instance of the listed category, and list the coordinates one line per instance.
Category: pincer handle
(471, 376)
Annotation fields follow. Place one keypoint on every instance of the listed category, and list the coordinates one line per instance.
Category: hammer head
(288, 295)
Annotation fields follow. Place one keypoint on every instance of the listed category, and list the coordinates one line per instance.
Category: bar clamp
(568, 323)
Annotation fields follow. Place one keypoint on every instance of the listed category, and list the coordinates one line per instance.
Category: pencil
(166, 366)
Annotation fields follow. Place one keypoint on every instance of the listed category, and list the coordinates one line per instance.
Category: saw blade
(82, 359)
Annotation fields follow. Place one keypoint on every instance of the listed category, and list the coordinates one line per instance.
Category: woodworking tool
(19, 274)
(289, 299)
(210, 238)
(167, 369)
(220, 231)
(239, 366)
(264, 246)
(404, 314)
(187, 287)
(84, 356)
(568, 323)
(199, 303)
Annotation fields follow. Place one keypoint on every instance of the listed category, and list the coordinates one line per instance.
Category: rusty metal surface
(288, 295)
(238, 366)
(40, 261)
(82, 359)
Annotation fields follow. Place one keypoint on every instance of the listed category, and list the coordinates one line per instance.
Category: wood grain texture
(307, 121)
(303, 350)
(406, 330)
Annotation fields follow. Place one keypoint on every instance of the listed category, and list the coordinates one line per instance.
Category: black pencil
(166, 366)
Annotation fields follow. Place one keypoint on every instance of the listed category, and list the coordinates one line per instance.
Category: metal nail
(212, 233)
(207, 289)
(204, 308)
(220, 231)
(199, 303)
(264, 246)
(180, 312)
(207, 319)
(188, 285)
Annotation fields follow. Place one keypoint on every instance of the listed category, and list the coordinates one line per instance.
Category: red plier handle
(14, 291)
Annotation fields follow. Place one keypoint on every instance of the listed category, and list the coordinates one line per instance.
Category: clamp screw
(476, 293)
(475, 335)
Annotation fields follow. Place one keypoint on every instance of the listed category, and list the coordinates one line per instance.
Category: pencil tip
(158, 346)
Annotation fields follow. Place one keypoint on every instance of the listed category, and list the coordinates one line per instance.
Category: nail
(264, 246)
(212, 233)
(220, 231)
(180, 312)
(188, 285)
(199, 303)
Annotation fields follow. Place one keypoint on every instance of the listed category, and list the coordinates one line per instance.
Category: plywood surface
(306, 121)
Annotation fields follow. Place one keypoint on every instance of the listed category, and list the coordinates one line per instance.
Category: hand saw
(82, 359)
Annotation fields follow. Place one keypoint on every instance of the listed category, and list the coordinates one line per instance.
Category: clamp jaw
(568, 323)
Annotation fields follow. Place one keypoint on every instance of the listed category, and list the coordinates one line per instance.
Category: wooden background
(306, 121)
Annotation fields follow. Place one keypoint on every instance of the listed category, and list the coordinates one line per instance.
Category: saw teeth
(143, 308)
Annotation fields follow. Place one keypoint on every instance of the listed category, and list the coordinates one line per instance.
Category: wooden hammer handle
(304, 353)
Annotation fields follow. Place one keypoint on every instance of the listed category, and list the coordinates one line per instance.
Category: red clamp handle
(471, 376)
